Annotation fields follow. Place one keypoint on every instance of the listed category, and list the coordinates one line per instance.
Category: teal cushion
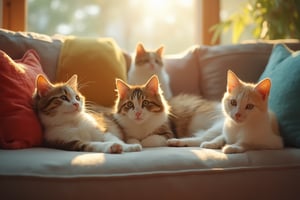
(284, 70)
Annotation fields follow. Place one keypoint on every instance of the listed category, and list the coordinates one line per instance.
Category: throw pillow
(97, 62)
(19, 125)
(284, 70)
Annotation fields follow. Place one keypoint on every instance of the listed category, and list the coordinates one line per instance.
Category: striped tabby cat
(69, 125)
(142, 112)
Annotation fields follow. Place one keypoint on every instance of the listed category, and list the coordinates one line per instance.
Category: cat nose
(238, 115)
(151, 66)
(76, 105)
(138, 114)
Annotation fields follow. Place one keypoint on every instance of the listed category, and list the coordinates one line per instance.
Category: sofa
(173, 173)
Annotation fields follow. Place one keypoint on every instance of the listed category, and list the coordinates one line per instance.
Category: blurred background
(176, 24)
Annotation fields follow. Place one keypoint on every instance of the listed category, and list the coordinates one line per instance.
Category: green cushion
(284, 70)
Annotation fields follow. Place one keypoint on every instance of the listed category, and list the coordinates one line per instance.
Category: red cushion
(19, 125)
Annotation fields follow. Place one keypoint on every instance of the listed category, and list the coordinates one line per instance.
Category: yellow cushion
(97, 62)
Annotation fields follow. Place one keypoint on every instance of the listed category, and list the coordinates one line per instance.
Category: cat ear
(42, 85)
(232, 81)
(73, 81)
(122, 88)
(160, 50)
(153, 84)
(140, 49)
(263, 87)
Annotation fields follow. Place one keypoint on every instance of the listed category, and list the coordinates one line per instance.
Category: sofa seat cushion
(57, 163)
(191, 172)
(97, 62)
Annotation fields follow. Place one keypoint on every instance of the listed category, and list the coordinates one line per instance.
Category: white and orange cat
(142, 113)
(69, 125)
(147, 63)
(249, 124)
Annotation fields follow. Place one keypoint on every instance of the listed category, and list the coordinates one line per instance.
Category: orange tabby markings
(249, 124)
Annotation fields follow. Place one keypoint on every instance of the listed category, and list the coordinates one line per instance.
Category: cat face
(242, 101)
(151, 60)
(139, 103)
(62, 99)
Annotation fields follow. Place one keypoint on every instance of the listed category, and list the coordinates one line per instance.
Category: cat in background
(194, 120)
(142, 113)
(69, 125)
(249, 124)
(147, 63)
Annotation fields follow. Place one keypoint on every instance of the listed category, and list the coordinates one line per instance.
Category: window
(154, 22)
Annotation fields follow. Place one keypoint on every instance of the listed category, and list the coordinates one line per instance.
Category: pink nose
(151, 66)
(237, 115)
(76, 105)
(138, 114)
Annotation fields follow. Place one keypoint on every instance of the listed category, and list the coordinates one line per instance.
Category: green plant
(268, 19)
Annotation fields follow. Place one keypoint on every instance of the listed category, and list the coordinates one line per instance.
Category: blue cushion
(284, 70)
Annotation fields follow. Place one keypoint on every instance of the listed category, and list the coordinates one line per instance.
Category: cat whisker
(83, 84)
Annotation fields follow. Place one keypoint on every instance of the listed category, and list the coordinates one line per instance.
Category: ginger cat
(249, 124)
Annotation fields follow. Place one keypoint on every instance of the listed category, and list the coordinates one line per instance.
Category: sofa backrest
(203, 69)
(198, 70)
(15, 44)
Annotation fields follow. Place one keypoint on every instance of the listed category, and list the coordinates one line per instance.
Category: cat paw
(174, 142)
(133, 141)
(133, 147)
(210, 145)
(116, 148)
(228, 149)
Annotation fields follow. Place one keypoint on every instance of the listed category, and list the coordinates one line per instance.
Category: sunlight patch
(209, 154)
(89, 159)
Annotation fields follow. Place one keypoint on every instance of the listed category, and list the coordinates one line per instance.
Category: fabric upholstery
(97, 62)
(15, 44)
(183, 71)
(19, 125)
(155, 173)
(284, 70)
(163, 172)
(203, 69)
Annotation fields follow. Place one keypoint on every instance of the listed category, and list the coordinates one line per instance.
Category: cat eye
(145, 60)
(129, 104)
(77, 98)
(64, 97)
(233, 102)
(249, 106)
(145, 103)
